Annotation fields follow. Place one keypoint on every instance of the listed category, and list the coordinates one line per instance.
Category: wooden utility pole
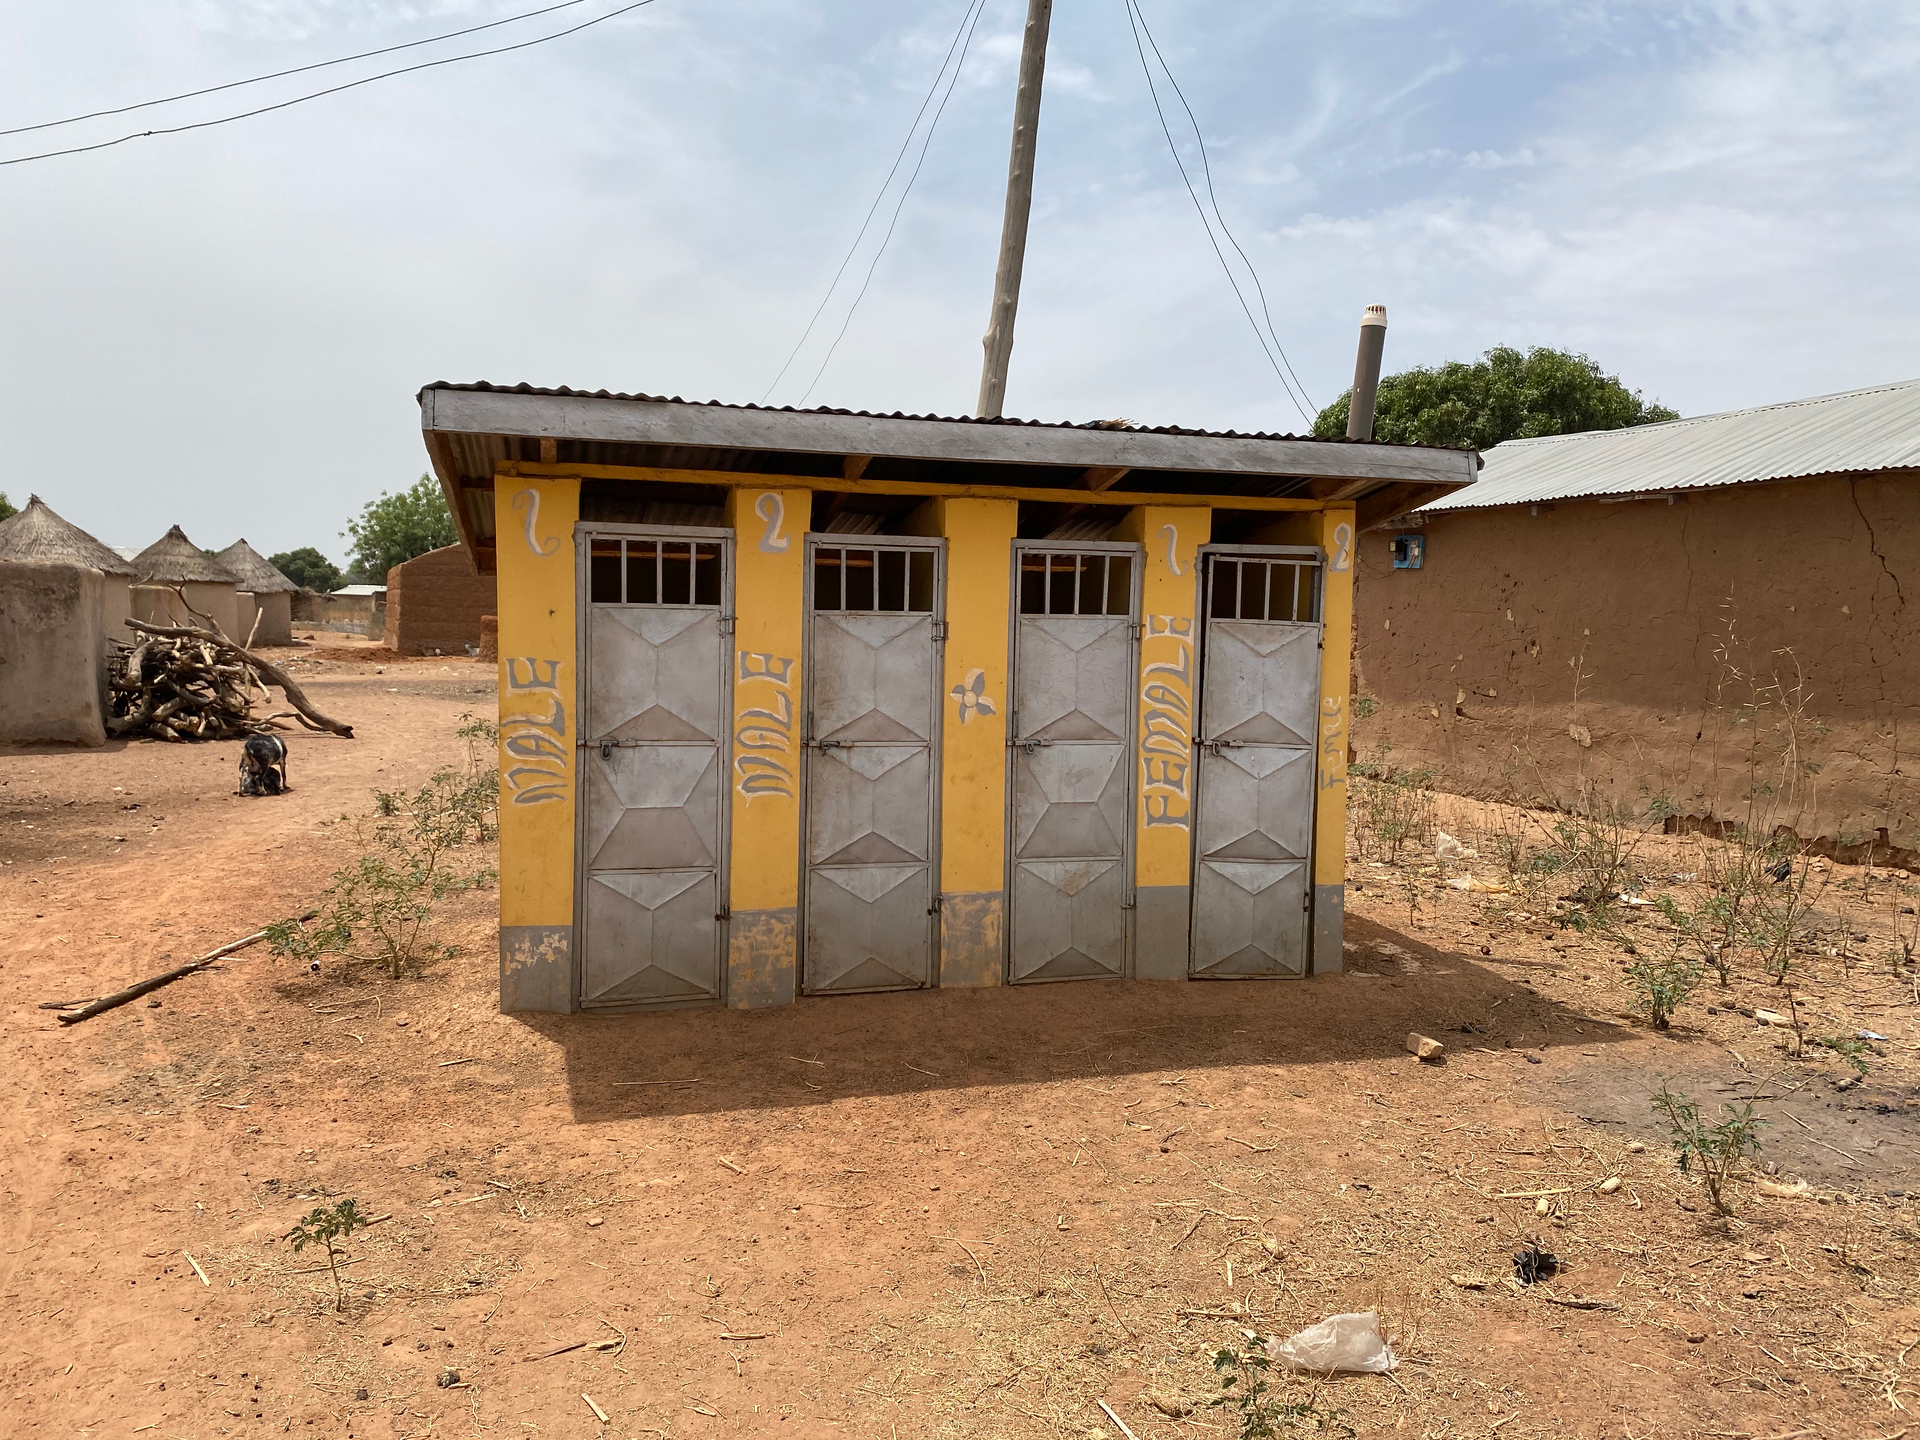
(1013, 230)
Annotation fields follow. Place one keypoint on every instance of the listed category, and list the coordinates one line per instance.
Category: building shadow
(821, 1050)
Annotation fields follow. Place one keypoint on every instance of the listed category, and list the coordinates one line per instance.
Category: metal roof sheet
(1858, 430)
(526, 389)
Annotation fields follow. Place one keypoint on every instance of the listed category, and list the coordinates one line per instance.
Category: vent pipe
(1366, 373)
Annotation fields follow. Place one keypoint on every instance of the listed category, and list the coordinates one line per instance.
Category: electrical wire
(1137, 22)
(964, 32)
(907, 190)
(333, 90)
(1207, 171)
(296, 70)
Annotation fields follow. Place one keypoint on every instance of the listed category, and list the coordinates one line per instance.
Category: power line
(1207, 170)
(333, 90)
(297, 70)
(932, 125)
(879, 195)
(1137, 22)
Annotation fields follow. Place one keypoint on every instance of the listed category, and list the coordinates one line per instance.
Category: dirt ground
(964, 1213)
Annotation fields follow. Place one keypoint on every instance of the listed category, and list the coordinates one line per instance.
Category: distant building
(63, 597)
(435, 603)
(1579, 614)
(174, 578)
(266, 596)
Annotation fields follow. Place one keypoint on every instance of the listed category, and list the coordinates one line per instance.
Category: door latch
(606, 749)
(1036, 744)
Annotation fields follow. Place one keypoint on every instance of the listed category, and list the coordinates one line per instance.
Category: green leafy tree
(1504, 395)
(395, 528)
(307, 566)
(7, 509)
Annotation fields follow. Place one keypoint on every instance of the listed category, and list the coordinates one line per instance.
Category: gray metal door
(1259, 709)
(653, 821)
(1074, 667)
(873, 674)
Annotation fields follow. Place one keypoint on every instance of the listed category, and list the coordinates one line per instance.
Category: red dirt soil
(968, 1213)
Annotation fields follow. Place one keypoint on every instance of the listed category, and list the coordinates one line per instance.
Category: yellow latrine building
(814, 702)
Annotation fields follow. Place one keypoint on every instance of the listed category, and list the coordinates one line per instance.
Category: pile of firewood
(180, 682)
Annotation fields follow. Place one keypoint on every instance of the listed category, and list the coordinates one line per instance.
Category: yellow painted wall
(769, 601)
(1169, 593)
(534, 521)
(1337, 537)
(973, 762)
(1164, 770)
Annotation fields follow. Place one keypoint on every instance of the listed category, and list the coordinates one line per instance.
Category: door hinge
(940, 632)
(1138, 628)
(725, 912)
(726, 626)
(934, 908)
(1306, 898)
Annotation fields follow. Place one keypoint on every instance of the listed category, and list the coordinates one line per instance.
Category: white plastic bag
(1445, 847)
(1340, 1342)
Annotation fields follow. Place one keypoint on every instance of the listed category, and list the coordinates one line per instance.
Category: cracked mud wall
(1588, 641)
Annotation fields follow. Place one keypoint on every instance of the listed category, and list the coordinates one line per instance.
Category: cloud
(227, 328)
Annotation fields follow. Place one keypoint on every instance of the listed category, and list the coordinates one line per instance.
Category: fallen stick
(197, 1270)
(296, 697)
(598, 1413)
(1116, 1420)
(134, 992)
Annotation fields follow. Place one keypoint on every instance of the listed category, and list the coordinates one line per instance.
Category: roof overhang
(474, 434)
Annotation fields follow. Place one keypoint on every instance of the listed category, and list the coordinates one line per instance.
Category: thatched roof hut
(37, 536)
(173, 559)
(254, 572)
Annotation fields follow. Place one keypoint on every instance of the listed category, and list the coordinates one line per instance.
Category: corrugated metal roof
(1873, 429)
(525, 389)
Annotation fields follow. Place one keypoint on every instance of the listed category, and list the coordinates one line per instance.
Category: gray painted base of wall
(536, 968)
(1329, 929)
(763, 955)
(1160, 924)
(973, 939)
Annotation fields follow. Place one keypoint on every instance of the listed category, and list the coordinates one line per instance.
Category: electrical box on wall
(1409, 552)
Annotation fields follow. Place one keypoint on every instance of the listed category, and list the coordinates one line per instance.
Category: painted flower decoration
(970, 695)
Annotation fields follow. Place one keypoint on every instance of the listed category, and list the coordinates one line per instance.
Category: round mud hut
(173, 577)
(38, 536)
(266, 596)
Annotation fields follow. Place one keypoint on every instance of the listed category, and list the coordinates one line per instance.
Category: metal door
(1074, 666)
(653, 811)
(1259, 709)
(873, 671)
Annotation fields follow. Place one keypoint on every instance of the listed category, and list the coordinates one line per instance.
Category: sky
(227, 328)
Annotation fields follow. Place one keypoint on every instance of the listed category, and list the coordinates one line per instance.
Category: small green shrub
(1719, 1150)
(323, 1226)
(1246, 1391)
(1392, 810)
(1851, 1050)
(1663, 985)
(379, 907)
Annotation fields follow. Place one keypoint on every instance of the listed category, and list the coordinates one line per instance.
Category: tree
(1504, 395)
(307, 566)
(7, 510)
(398, 527)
